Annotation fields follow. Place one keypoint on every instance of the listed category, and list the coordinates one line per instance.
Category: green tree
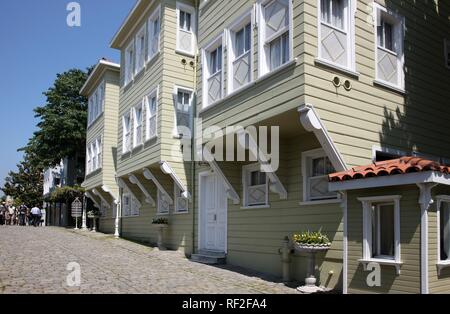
(62, 127)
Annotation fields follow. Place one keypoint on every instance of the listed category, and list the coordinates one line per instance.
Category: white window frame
(132, 201)
(307, 158)
(399, 37)
(231, 55)
(138, 142)
(447, 53)
(129, 63)
(177, 196)
(94, 156)
(212, 46)
(175, 96)
(264, 52)
(153, 94)
(368, 203)
(191, 10)
(440, 200)
(99, 152)
(126, 212)
(349, 29)
(96, 103)
(140, 54)
(126, 149)
(88, 159)
(161, 195)
(150, 30)
(246, 171)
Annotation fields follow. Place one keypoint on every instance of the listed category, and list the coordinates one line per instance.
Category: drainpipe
(194, 128)
(286, 252)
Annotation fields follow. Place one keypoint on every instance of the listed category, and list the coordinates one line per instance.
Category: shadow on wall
(422, 125)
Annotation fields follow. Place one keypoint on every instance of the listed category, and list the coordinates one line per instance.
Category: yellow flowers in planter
(312, 239)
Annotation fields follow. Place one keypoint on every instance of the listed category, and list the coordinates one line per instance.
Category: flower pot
(161, 228)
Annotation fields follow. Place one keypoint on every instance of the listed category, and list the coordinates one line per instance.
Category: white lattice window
(336, 32)
(389, 54)
(140, 50)
(151, 107)
(135, 207)
(185, 28)
(256, 186)
(316, 167)
(129, 63)
(126, 205)
(181, 203)
(183, 112)
(163, 203)
(213, 72)
(240, 54)
(138, 120)
(275, 34)
(154, 30)
(126, 140)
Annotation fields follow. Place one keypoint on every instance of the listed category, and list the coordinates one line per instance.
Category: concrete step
(209, 258)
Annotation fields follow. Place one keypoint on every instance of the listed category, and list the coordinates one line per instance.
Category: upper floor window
(151, 104)
(213, 74)
(126, 138)
(185, 28)
(94, 155)
(154, 29)
(256, 186)
(316, 167)
(336, 28)
(96, 103)
(275, 34)
(140, 50)
(443, 216)
(240, 54)
(129, 60)
(138, 119)
(389, 54)
(183, 112)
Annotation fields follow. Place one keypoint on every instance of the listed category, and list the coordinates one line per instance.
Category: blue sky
(36, 45)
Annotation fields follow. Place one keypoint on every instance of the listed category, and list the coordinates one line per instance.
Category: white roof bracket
(148, 198)
(89, 195)
(106, 189)
(149, 176)
(96, 192)
(125, 186)
(166, 169)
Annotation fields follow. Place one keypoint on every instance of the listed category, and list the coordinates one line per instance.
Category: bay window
(154, 29)
(336, 32)
(151, 104)
(275, 34)
(240, 54)
(96, 104)
(389, 55)
(129, 60)
(138, 119)
(185, 28)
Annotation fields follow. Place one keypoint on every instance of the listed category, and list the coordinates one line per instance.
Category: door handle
(215, 217)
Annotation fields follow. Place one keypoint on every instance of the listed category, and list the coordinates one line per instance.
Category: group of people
(21, 216)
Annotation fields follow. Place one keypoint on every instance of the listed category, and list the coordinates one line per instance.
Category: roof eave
(118, 38)
(101, 66)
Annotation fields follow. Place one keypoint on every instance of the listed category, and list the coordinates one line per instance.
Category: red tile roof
(388, 168)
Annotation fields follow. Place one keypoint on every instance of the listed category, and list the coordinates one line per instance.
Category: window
(316, 167)
(336, 32)
(275, 34)
(129, 58)
(137, 128)
(181, 203)
(443, 216)
(389, 54)
(96, 104)
(103, 209)
(126, 123)
(94, 155)
(240, 54)
(381, 228)
(140, 51)
(151, 104)
(183, 111)
(185, 28)
(154, 29)
(447, 52)
(213, 75)
(130, 205)
(88, 160)
(99, 148)
(163, 203)
(256, 186)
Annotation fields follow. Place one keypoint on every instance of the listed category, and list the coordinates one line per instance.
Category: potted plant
(311, 243)
(161, 224)
(93, 214)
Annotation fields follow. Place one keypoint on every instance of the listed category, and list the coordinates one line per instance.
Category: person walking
(36, 214)
(22, 215)
(12, 215)
(2, 215)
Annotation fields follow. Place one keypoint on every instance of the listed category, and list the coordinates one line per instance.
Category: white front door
(213, 214)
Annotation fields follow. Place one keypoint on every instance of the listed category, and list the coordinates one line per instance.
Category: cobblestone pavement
(34, 260)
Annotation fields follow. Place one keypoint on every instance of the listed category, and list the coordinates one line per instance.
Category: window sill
(152, 58)
(134, 216)
(389, 86)
(382, 261)
(94, 121)
(256, 207)
(185, 53)
(442, 265)
(139, 72)
(138, 146)
(322, 202)
(248, 86)
(337, 67)
(181, 213)
(162, 214)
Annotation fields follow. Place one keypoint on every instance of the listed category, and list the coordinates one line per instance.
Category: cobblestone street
(34, 260)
